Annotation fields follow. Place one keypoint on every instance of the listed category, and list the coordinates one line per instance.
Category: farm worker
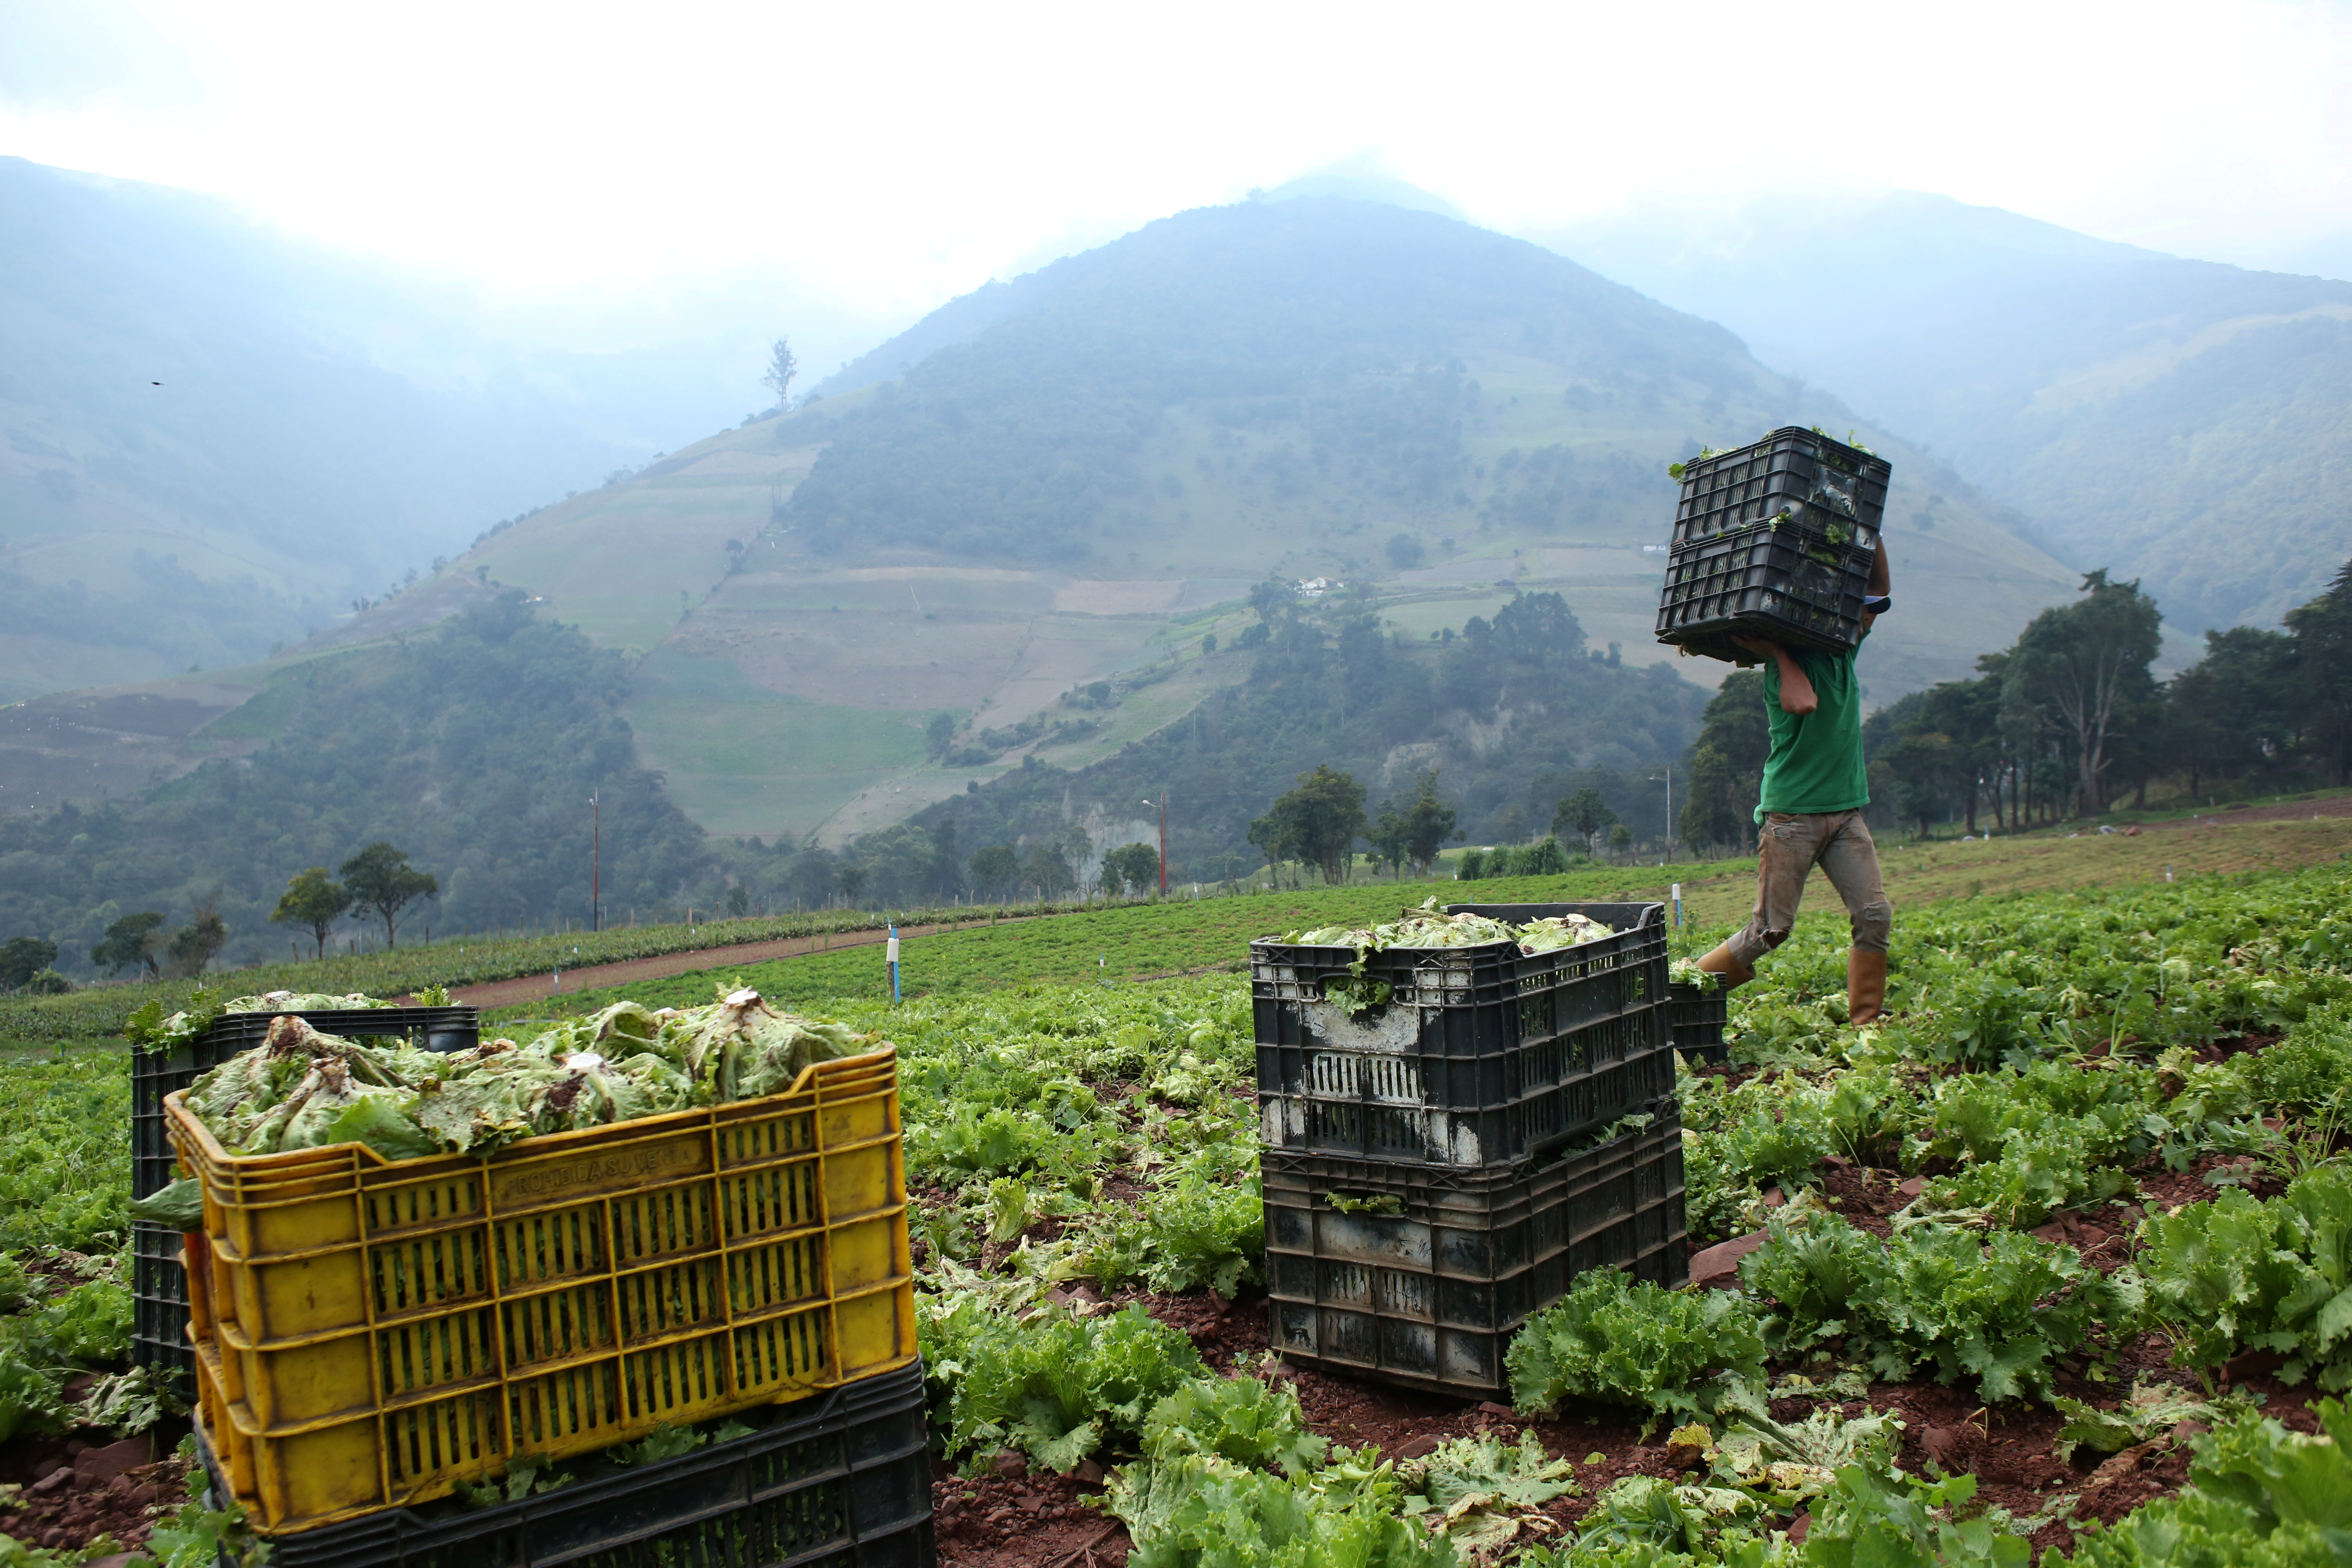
(1810, 812)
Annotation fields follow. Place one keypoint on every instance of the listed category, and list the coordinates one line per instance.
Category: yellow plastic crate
(372, 1331)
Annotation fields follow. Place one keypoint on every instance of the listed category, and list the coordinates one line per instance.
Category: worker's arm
(1878, 591)
(1797, 695)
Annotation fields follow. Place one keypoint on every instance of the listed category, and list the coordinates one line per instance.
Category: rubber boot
(1734, 973)
(1865, 985)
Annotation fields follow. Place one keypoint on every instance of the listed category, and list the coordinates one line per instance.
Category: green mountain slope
(2182, 422)
(1081, 481)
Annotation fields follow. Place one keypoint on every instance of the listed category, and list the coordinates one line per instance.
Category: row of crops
(1084, 1156)
(100, 1012)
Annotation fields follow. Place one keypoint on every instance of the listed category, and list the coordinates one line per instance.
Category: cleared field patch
(742, 759)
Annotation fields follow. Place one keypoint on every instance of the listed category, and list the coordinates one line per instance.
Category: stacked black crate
(1697, 1019)
(1775, 539)
(159, 1285)
(1452, 1134)
(842, 1479)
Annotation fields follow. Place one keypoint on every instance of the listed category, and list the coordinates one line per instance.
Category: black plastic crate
(1776, 580)
(1481, 1055)
(847, 1484)
(1697, 1019)
(1828, 485)
(1421, 1279)
(158, 1286)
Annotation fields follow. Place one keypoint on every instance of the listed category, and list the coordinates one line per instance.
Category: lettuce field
(2054, 1264)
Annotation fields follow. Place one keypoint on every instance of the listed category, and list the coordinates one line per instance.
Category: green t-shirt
(1816, 763)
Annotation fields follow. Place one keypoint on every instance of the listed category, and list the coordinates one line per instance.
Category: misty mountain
(319, 428)
(2183, 422)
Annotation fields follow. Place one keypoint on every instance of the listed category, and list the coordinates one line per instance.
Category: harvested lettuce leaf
(303, 1002)
(383, 1120)
(179, 1206)
(303, 1090)
(742, 1048)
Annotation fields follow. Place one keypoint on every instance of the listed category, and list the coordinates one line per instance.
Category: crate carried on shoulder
(1773, 540)
(1461, 1057)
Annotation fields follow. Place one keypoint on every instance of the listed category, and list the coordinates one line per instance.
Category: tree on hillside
(1918, 771)
(1726, 765)
(1386, 837)
(22, 957)
(1428, 822)
(851, 880)
(382, 882)
(782, 365)
(1266, 837)
(994, 869)
(192, 947)
(2240, 709)
(130, 942)
(1318, 822)
(2086, 665)
(311, 899)
(811, 876)
(2322, 636)
(1044, 870)
(1405, 551)
(1585, 814)
(947, 864)
(1272, 599)
(1078, 848)
(939, 733)
(1132, 868)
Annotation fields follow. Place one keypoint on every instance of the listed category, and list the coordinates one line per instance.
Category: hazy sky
(884, 157)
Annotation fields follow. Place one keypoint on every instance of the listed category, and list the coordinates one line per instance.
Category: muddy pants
(1788, 848)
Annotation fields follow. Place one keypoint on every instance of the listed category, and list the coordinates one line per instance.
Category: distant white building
(1316, 587)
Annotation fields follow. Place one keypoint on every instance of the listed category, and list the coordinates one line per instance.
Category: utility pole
(1670, 808)
(597, 862)
(1163, 843)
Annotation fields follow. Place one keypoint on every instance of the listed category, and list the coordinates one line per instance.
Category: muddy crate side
(1420, 1279)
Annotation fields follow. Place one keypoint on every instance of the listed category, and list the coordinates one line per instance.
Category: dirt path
(531, 987)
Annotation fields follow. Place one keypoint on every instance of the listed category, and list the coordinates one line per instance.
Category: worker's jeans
(1789, 846)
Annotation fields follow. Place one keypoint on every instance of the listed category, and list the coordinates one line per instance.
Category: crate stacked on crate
(378, 1341)
(1697, 1019)
(1774, 540)
(158, 1285)
(1433, 1160)
(842, 1479)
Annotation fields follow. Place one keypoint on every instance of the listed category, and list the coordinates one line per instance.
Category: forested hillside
(474, 748)
(1508, 717)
